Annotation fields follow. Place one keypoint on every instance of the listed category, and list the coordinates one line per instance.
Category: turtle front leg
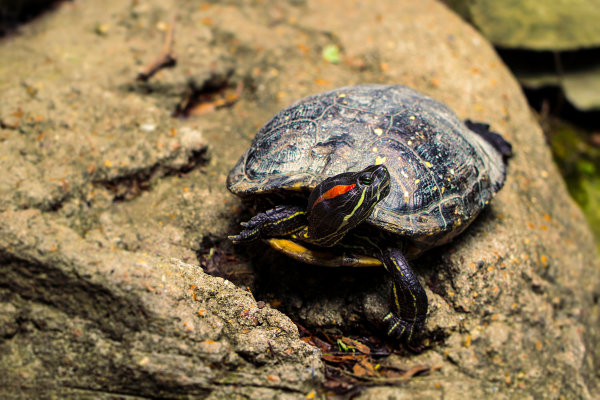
(408, 296)
(279, 221)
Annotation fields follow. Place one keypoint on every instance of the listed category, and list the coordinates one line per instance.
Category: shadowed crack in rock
(129, 185)
(66, 290)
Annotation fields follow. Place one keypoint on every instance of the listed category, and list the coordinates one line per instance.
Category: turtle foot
(280, 221)
(403, 330)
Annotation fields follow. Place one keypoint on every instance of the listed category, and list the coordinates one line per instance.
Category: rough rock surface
(108, 205)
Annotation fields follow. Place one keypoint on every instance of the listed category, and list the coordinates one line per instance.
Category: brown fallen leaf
(357, 345)
(341, 358)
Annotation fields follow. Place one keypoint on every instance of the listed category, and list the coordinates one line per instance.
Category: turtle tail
(498, 142)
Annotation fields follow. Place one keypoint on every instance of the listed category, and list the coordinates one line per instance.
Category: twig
(166, 59)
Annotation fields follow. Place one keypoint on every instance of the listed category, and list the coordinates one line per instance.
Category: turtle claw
(256, 221)
(245, 236)
(403, 330)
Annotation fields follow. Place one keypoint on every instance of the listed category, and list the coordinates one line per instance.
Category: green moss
(579, 163)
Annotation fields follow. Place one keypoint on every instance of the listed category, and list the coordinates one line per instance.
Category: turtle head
(343, 201)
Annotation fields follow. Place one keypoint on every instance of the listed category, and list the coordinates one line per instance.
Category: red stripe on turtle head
(334, 192)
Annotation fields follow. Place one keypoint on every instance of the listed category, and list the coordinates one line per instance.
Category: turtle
(369, 175)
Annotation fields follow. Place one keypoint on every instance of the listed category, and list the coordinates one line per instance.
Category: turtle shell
(442, 173)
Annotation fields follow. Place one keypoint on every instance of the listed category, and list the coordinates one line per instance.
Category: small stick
(166, 59)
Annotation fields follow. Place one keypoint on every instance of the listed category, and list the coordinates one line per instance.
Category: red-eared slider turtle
(390, 173)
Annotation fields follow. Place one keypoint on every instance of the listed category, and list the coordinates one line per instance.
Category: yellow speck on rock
(378, 131)
(538, 345)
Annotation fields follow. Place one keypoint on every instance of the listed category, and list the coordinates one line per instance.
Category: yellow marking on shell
(443, 188)
(411, 117)
(374, 149)
(301, 253)
(378, 131)
(342, 95)
(298, 186)
(405, 194)
(417, 181)
(409, 142)
(428, 164)
(379, 160)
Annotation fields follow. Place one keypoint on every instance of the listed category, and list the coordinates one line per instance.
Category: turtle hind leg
(278, 221)
(409, 299)
(499, 143)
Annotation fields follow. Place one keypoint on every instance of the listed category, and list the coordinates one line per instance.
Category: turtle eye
(365, 179)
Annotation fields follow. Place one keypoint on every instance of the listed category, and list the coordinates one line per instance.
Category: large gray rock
(535, 25)
(107, 204)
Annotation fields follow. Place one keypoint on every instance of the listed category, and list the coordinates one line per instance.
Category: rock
(108, 206)
(553, 25)
(81, 319)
